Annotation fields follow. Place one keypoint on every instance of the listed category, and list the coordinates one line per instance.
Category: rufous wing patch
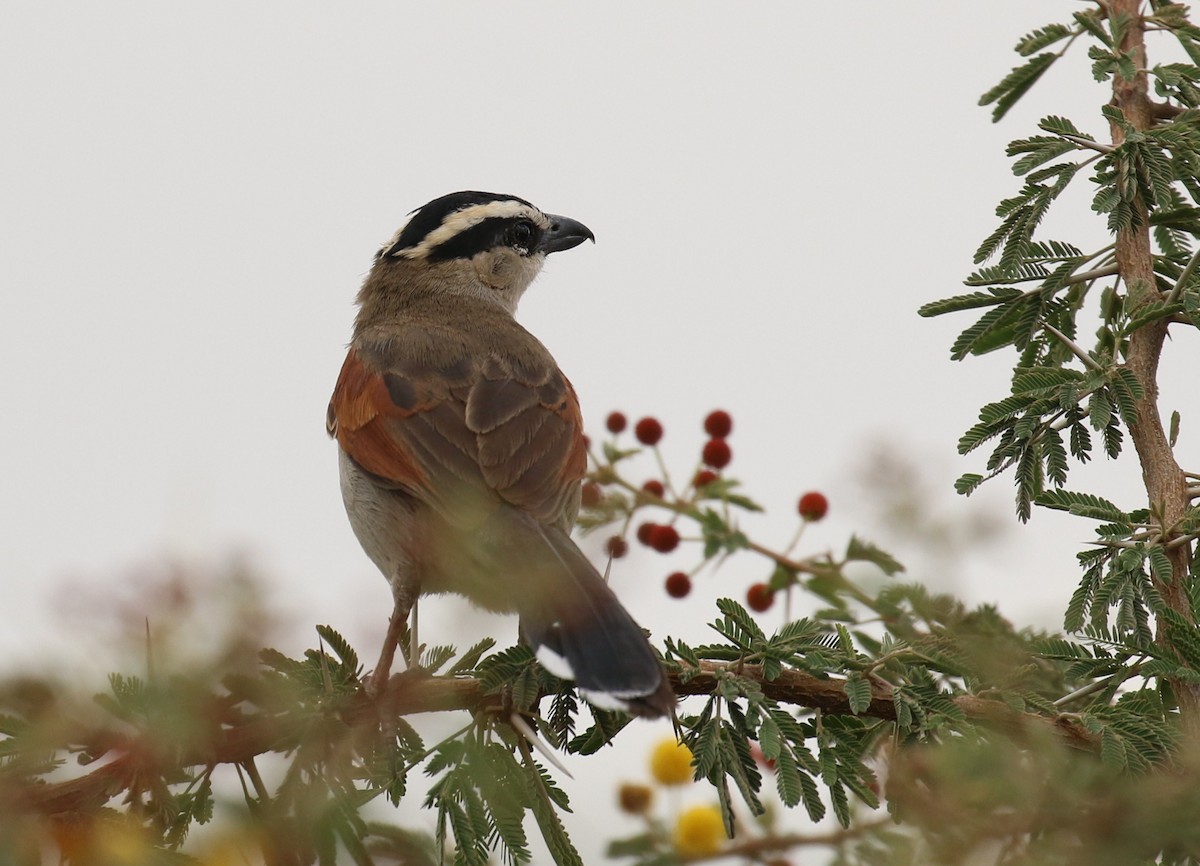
(361, 415)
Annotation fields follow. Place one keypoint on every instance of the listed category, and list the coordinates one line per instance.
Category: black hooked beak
(563, 234)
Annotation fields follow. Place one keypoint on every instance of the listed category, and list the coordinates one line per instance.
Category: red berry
(643, 532)
(590, 495)
(587, 441)
(718, 424)
(704, 478)
(648, 431)
(615, 422)
(813, 505)
(654, 488)
(678, 584)
(717, 453)
(760, 597)
(617, 547)
(664, 539)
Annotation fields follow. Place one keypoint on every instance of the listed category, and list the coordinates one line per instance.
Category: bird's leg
(414, 645)
(405, 604)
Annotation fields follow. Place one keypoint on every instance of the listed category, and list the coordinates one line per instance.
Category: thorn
(149, 653)
(325, 678)
(518, 722)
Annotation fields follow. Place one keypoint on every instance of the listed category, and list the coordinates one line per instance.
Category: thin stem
(1190, 268)
(1099, 685)
(260, 788)
(1094, 274)
(1075, 348)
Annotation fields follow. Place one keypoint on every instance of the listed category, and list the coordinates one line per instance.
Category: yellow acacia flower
(671, 763)
(698, 831)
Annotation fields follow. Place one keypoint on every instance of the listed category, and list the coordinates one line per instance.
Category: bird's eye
(521, 235)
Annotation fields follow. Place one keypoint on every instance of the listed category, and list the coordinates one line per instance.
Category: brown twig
(409, 694)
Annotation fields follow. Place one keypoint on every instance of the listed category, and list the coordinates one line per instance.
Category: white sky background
(192, 196)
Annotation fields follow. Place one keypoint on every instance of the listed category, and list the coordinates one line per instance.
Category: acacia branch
(1166, 485)
(408, 694)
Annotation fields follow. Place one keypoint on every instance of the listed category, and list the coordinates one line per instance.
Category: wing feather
(446, 422)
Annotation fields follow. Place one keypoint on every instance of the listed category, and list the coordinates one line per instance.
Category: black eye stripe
(495, 232)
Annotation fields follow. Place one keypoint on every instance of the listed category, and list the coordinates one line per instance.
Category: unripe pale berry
(648, 431)
(759, 597)
(813, 505)
(718, 424)
(716, 453)
(615, 422)
(635, 799)
(664, 539)
(678, 584)
(762, 760)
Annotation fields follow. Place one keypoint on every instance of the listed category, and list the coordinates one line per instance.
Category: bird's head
(482, 244)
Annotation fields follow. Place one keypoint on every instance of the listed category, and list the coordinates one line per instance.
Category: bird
(461, 450)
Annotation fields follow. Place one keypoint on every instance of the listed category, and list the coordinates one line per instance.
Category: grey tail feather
(575, 623)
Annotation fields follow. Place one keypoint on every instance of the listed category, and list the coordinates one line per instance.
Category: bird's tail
(579, 630)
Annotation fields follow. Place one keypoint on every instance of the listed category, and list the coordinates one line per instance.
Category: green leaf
(1113, 438)
(340, 646)
(1081, 442)
(992, 331)
(1112, 750)
(1028, 380)
(970, 301)
(1041, 38)
(738, 764)
(1100, 410)
(1038, 150)
(1184, 638)
(863, 551)
(1183, 218)
(468, 660)
(554, 834)
(1062, 126)
(770, 739)
(745, 629)
(1055, 456)
(787, 778)
(1160, 564)
(967, 483)
(1151, 312)
(1029, 481)
(1014, 85)
(1093, 22)
(1082, 505)
(434, 657)
(1078, 606)
(858, 692)
(1128, 390)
